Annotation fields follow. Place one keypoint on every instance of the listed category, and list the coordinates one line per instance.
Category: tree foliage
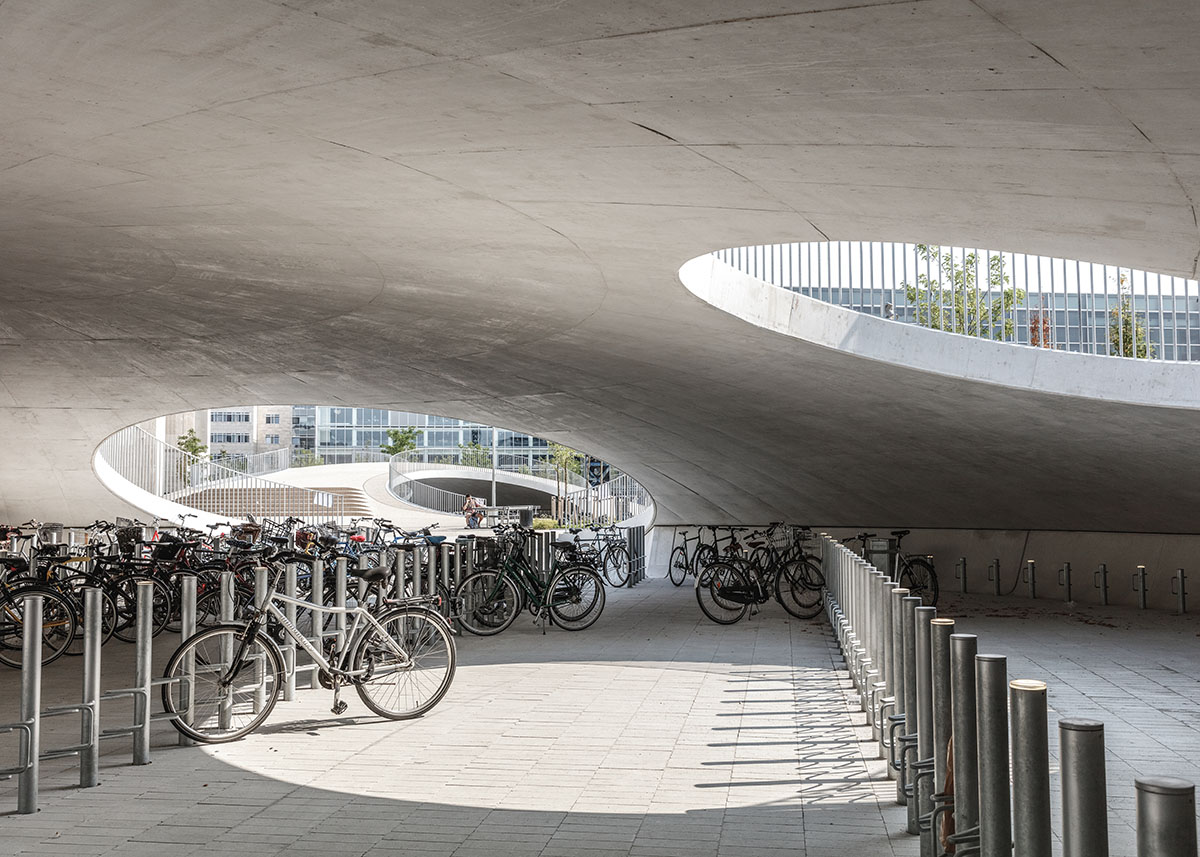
(474, 455)
(190, 443)
(400, 440)
(952, 300)
(1127, 336)
(306, 458)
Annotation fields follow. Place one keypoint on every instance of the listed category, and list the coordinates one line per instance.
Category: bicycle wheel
(217, 699)
(918, 576)
(714, 585)
(59, 625)
(125, 595)
(576, 598)
(73, 588)
(704, 556)
(490, 603)
(798, 589)
(678, 567)
(616, 564)
(407, 672)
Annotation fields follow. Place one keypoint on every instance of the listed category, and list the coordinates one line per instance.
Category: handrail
(164, 471)
(1023, 299)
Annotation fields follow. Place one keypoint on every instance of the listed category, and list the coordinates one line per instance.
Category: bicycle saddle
(277, 540)
(370, 575)
(900, 533)
(238, 543)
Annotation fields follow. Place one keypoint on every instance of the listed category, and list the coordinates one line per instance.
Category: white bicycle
(222, 682)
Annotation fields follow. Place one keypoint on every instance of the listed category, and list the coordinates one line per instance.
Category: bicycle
(490, 599)
(911, 572)
(223, 682)
(728, 587)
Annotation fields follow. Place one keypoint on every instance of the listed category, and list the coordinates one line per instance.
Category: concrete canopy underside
(478, 209)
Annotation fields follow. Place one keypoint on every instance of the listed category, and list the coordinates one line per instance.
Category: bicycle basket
(275, 529)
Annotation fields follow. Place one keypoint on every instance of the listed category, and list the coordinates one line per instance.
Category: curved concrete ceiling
(479, 209)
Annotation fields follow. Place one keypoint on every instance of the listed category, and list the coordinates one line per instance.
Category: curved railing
(1037, 301)
(141, 469)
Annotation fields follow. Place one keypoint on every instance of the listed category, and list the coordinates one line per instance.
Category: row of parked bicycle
(738, 569)
(115, 557)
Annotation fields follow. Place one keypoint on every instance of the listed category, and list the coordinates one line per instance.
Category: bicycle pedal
(339, 707)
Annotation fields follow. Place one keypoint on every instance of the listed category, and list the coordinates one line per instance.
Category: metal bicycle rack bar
(939, 711)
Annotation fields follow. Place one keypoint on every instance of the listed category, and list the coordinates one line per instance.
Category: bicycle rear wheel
(227, 684)
(59, 625)
(576, 598)
(711, 585)
(490, 603)
(407, 672)
(798, 589)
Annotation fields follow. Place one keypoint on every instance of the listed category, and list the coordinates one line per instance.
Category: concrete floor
(654, 732)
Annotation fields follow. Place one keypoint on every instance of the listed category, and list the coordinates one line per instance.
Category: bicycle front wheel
(225, 685)
(490, 603)
(407, 671)
(798, 589)
(575, 598)
(722, 592)
(919, 578)
(616, 564)
(59, 625)
(678, 567)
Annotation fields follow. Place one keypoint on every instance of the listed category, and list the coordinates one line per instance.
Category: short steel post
(995, 806)
(31, 700)
(430, 586)
(471, 547)
(1084, 788)
(1139, 585)
(398, 573)
(1100, 581)
(961, 574)
(260, 669)
(225, 709)
(1031, 577)
(1030, 769)
(316, 596)
(1064, 580)
(923, 787)
(911, 714)
(941, 631)
(1179, 589)
(444, 550)
(898, 691)
(89, 738)
(963, 649)
(289, 647)
(145, 635)
(187, 627)
(1166, 817)
(459, 549)
(339, 601)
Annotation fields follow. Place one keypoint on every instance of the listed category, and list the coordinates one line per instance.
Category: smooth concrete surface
(655, 732)
(480, 209)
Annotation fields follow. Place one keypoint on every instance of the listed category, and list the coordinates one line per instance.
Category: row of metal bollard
(29, 727)
(940, 712)
(1066, 583)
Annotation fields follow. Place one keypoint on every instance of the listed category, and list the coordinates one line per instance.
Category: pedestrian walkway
(655, 732)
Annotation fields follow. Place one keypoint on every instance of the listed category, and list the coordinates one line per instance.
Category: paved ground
(653, 733)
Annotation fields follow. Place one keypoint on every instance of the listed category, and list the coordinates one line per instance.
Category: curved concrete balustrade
(971, 358)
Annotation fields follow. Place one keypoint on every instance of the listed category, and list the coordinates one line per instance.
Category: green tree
(474, 455)
(564, 460)
(191, 444)
(306, 458)
(400, 440)
(230, 461)
(1127, 335)
(953, 301)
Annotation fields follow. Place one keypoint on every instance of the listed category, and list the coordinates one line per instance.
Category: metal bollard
(89, 737)
(1179, 589)
(1100, 581)
(225, 709)
(1139, 585)
(1166, 817)
(911, 713)
(187, 627)
(941, 631)
(316, 597)
(398, 568)
(260, 670)
(430, 586)
(1031, 577)
(995, 807)
(141, 700)
(1064, 580)
(31, 700)
(444, 549)
(966, 744)
(1084, 790)
(960, 571)
(289, 646)
(1030, 769)
(923, 785)
(897, 656)
(339, 601)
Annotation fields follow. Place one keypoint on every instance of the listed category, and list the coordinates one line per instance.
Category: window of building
(272, 439)
(229, 437)
(229, 417)
(272, 419)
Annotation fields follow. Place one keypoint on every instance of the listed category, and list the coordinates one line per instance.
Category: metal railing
(940, 715)
(172, 474)
(1037, 301)
(619, 499)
